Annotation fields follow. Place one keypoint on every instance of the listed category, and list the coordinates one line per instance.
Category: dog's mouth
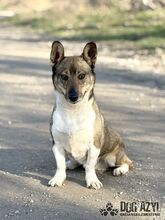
(74, 97)
(74, 100)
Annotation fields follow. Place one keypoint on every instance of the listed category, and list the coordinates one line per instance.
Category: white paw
(94, 183)
(123, 169)
(57, 180)
(71, 165)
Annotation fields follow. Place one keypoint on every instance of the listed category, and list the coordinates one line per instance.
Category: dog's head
(73, 77)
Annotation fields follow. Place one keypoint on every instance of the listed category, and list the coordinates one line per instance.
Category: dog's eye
(64, 77)
(81, 76)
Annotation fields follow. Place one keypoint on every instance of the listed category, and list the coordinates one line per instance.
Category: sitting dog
(78, 128)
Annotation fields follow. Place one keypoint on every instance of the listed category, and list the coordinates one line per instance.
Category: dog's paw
(94, 183)
(103, 212)
(123, 169)
(109, 206)
(71, 165)
(57, 180)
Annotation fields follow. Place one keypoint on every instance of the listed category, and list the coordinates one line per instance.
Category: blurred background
(132, 24)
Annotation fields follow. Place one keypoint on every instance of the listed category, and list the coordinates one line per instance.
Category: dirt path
(131, 94)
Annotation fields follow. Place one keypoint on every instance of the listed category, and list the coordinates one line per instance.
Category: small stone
(9, 122)
(31, 201)
(30, 210)
(83, 197)
(120, 193)
(116, 196)
(17, 212)
(11, 214)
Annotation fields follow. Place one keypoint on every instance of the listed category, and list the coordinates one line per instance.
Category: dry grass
(83, 20)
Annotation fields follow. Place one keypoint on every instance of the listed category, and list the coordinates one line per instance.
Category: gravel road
(130, 90)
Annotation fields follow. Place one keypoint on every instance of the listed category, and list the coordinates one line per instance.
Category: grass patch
(143, 29)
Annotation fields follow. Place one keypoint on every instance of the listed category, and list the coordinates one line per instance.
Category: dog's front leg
(60, 174)
(90, 174)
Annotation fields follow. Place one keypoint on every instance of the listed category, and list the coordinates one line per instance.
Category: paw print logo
(103, 212)
(109, 206)
(109, 209)
(114, 212)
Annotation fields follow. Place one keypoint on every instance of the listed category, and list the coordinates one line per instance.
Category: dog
(78, 128)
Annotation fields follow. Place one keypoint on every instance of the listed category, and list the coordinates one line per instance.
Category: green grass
(143, 29)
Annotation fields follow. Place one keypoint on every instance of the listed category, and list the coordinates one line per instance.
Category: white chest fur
(73, 126)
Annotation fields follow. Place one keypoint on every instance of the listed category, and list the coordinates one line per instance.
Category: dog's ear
(57, 53)
(90, 54)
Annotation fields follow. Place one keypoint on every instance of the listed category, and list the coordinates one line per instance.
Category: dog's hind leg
(113, 152)
(71, 164)
(123, 164)
(117, 158)
(101, 166)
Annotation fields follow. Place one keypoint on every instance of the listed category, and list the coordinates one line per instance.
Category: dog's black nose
(73, 96)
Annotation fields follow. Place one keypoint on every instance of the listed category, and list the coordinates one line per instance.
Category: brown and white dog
(78, 128)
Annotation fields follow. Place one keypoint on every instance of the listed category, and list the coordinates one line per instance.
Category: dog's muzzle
(73, 96)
